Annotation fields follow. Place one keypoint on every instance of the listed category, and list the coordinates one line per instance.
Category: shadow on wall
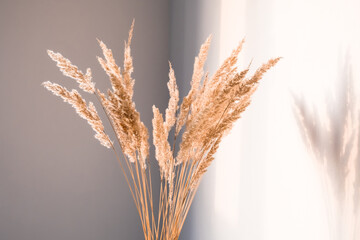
(333, 138)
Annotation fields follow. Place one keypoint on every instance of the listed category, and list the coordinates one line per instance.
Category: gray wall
(56, 180)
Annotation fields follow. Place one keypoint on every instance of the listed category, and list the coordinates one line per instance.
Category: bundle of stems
(205, 115)
(333, 139)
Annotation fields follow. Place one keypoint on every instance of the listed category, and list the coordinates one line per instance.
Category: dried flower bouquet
(205, 115)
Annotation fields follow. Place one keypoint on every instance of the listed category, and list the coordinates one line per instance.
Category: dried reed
(206, 114)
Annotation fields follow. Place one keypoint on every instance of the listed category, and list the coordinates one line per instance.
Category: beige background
(56, 181)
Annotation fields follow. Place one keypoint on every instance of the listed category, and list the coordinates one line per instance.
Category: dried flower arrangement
(333, 139)
(205, 115)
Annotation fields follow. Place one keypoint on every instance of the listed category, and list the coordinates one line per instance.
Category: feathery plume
(130, 130)
(195, 83)
(110, 67)
(89, 113)
(128, 64)
(72, 71)
(170, 117)
(163, 151)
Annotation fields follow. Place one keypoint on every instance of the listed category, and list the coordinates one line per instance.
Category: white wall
(264, 184)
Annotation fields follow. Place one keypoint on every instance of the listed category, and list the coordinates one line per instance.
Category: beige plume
(89, 113)
(72, 71)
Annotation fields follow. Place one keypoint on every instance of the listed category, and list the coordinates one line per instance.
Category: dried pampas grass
(203, 118)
